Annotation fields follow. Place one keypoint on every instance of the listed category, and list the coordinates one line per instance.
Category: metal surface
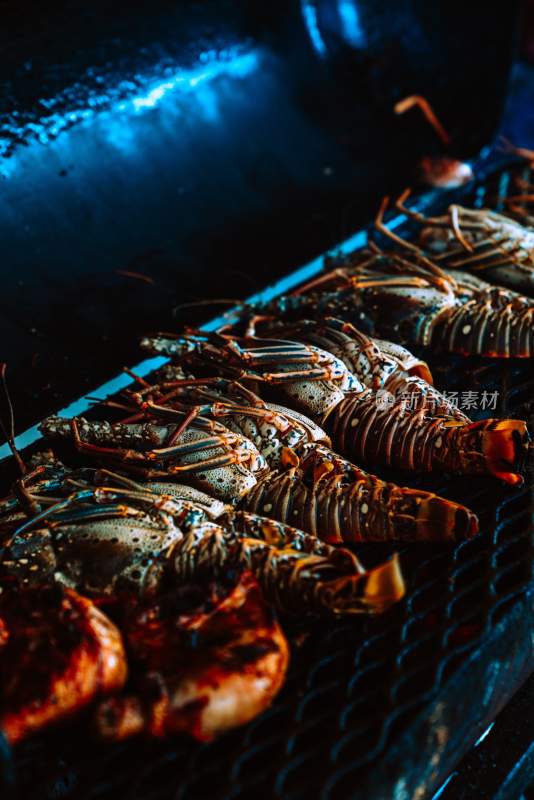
(377, 708)
(501, 766)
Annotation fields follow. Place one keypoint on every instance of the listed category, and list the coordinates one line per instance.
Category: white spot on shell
(267, 508)
(466, 328)
(438, 442)
(354, 422)
(364, 508)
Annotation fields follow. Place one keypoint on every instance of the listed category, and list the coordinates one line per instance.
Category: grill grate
(375, 708)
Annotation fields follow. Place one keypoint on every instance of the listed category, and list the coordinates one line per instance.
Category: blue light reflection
(238, 66)
(309, 14)
(350, 22)
(196, 84)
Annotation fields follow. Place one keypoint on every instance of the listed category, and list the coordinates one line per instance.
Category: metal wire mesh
(358, 691)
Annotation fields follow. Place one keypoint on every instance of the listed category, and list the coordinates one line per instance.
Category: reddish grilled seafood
(198, 670)
(58, 653)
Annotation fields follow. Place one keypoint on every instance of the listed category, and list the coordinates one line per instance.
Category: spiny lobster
(309, 485)
(203, 451)
(378, 364)
(123, 538)
(320, 385)
(474, 240)
(405, 297)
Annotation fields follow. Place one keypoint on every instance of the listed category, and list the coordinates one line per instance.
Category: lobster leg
(227, 474)
(123, 456)
(23, 497)
(217, 408)
(442, 222)
(72, 509)
(382, 228)
(174, 450)
(481, 258)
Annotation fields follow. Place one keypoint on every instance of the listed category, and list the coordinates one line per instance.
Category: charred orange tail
(384, 585)
(497, 446)
(371, 592)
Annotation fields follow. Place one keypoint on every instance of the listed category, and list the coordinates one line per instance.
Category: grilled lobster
(320, 385)
(407, 298)
(481, 241)
(124, 539)
(309, 485)
(378, 364)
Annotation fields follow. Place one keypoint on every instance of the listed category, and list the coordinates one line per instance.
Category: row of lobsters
(143, 581)
(465, 284)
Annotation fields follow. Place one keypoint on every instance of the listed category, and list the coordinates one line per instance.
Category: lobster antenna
(431, 272)
(9, 431)
(137, 378)
(382, 228)
(428, 112)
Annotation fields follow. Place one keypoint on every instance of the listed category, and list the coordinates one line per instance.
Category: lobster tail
(384, 585)
(387, 434)
(417, 394)
(374, 591)
(340, 510)
(328, 580)
(424, 516)
(502, 326)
